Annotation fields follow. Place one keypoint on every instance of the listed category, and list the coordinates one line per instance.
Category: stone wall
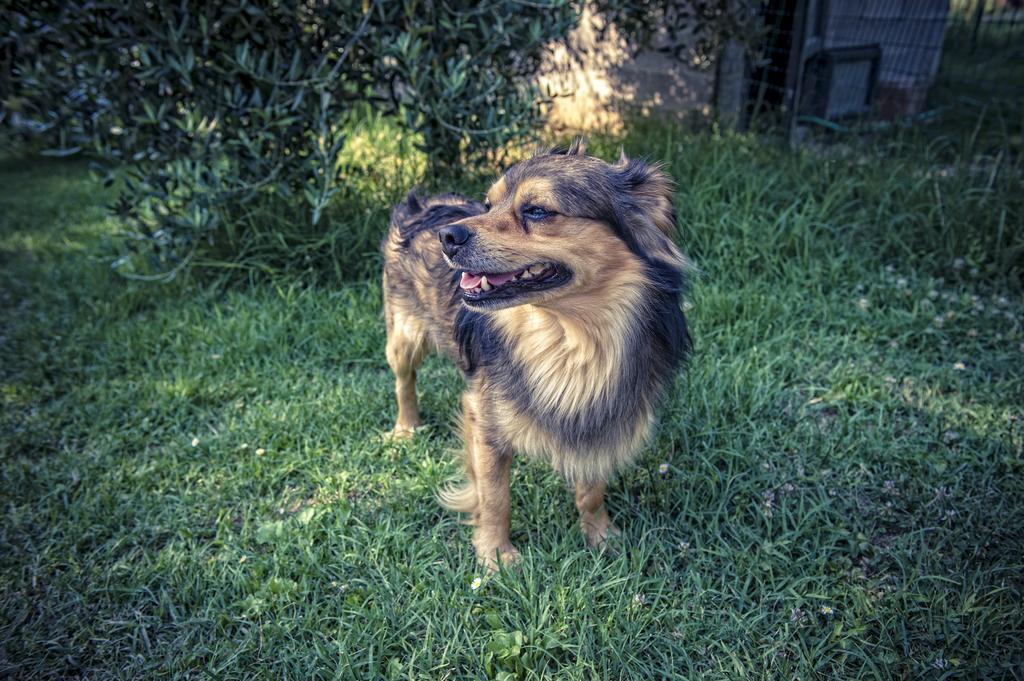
(595, 91)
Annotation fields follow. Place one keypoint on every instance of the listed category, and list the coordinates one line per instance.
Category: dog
(559, 298)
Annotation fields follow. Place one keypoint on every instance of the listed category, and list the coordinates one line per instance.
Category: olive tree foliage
(218, 114)
(219, 108)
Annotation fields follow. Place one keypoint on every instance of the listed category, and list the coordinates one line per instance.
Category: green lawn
(194, 484)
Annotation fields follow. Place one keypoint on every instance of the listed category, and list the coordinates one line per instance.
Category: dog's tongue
(500, 278)
(471, 281)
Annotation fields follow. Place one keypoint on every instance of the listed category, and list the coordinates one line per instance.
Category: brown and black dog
(560, 300)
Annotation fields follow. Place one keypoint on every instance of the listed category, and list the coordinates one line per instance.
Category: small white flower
(960, 366)
(195, 442)
(827, 611)
(476, 583)
(938, 321)
(864, 303)
(663, 468)
(260, 451)
(640, 599)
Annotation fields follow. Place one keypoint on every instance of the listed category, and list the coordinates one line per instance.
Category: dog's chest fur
(576, 387)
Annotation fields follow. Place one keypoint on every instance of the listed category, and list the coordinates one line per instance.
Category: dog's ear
(652, 189)
(647, 210)
(578, 147)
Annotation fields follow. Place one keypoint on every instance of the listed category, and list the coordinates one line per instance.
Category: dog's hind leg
(594, 521)
(406, 348)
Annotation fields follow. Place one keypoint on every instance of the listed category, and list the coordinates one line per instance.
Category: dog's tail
(455, 497)
(458, 498)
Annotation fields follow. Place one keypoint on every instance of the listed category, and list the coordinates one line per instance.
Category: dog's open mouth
(485, 287)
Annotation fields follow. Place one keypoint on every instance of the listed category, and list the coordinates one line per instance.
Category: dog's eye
(536, 213)
(487, 204)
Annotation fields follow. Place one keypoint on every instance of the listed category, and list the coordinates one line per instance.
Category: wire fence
(846, 63)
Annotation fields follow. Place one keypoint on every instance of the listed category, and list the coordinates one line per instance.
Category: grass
(193, 482)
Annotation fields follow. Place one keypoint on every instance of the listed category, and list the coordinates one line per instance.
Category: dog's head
(564, 224)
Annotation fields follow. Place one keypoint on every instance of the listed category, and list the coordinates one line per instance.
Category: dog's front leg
(489, 468)
(594, 521)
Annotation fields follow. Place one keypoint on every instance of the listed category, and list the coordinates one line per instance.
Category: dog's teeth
(484, 284)
(536, 269)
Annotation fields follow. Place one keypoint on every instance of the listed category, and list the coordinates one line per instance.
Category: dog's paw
(601, 536)
(502, 557)
(401, 432)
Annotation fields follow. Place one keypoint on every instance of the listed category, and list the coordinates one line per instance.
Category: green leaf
(271, 532)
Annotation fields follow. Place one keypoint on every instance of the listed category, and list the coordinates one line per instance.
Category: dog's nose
(452, 237)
